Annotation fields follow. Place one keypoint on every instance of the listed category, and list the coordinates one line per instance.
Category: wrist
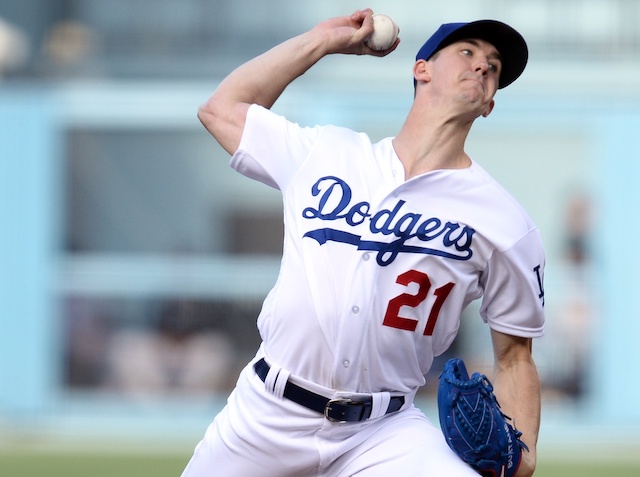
(527, 464)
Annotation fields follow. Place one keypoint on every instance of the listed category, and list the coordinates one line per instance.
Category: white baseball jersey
(376, 269)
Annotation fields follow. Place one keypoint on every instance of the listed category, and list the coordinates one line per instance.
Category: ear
(421, 71)
(487, 111)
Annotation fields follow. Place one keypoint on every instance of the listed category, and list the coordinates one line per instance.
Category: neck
(427, 142)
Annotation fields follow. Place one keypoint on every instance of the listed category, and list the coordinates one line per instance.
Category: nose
(482, 66)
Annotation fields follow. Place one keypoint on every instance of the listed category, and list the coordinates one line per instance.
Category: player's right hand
(348, 34)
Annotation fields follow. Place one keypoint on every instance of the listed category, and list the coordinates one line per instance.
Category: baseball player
(385, 244)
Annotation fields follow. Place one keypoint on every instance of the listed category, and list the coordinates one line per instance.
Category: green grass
(62, 464)
(90, 465)
(587, 469)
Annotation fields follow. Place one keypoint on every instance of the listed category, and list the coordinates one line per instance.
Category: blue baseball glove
(473, 424)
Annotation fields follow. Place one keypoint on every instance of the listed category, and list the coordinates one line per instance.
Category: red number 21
(392, 316)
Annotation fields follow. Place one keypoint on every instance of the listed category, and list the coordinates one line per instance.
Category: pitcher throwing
(385, 245)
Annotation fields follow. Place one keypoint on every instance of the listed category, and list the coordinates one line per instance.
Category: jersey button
(355, 309)
(365, 257)
(346, 363)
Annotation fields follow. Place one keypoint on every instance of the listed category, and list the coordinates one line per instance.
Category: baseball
(385, 32)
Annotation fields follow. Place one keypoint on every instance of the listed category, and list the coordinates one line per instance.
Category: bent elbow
(206, 115)
(224, 120)
(213, 117)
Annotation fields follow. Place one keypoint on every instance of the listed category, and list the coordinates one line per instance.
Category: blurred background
(134, 261)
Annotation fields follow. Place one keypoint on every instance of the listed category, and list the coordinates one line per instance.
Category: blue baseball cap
(509, 43)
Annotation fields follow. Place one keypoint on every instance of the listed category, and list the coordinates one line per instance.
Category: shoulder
(260, 115)
(262, 122)
(499, 192)
(500, 208)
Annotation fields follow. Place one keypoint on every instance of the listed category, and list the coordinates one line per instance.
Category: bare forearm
(259, 81)
(517, 388)
(262, 80)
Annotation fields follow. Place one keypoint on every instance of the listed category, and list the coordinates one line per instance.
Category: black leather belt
(336, 410)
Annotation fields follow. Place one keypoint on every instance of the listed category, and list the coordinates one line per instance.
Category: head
(510, 44)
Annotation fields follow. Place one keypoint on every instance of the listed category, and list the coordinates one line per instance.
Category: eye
(467, 52)
(495, 67)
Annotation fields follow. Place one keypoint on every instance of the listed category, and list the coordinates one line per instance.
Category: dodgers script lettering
(407, 230)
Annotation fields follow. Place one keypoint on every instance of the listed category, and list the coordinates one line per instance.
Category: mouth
(477, 81)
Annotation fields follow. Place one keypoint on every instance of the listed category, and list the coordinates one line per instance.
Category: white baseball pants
(260, 435)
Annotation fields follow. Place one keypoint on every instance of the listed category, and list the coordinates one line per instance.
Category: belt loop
(276, 380)
(379, 404)
(281, 382)
(271, 378)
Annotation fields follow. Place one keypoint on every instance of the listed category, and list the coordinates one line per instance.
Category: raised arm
(517, 388)
(263, 79)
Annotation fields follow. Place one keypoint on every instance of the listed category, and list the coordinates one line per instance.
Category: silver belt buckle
(344, 401)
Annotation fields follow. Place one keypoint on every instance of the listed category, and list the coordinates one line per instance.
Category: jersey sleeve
(272, 148)
(513, 301)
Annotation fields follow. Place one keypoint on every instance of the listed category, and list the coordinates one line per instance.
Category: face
(469, 70)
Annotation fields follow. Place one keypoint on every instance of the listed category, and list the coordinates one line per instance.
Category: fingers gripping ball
(473, 424)
(385, 32)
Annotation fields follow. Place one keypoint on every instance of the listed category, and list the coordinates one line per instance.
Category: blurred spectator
(68, 43)
(179, 356)
(578, 219)
(570, 314)
(14, 48)
(67, 46)
(89, 327)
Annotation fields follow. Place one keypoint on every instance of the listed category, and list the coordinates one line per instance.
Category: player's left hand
(474, 426)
